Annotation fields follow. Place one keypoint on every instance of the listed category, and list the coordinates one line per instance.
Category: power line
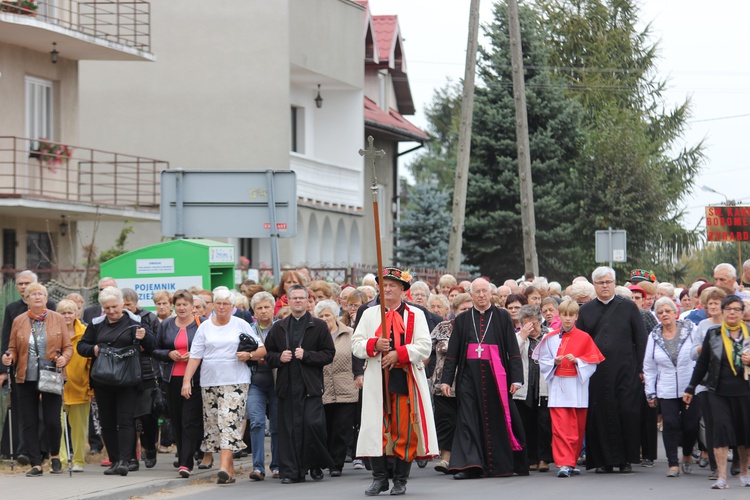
(720, 118)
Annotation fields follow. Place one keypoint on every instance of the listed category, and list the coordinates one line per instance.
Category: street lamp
(712, 190)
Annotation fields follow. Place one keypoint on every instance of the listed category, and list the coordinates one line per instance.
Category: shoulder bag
(118, 366)
(50, 378)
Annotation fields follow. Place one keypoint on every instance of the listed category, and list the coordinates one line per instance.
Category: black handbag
(118, 366)
(159, 405)
(248, 344)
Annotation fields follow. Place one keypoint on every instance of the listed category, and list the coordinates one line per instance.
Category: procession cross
(370, 153)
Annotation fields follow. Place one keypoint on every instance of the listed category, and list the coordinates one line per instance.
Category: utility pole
(464, 143)
(528, 221)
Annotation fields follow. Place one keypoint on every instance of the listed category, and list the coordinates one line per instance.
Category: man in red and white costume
(394, 381)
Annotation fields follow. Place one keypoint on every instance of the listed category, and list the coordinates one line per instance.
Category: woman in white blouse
(224, 379)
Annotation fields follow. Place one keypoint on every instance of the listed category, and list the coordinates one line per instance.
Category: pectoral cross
(370, 153)
(479, 351)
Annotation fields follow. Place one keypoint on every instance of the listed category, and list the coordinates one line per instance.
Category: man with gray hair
(96, 310)
(725, 277)
(613, 431)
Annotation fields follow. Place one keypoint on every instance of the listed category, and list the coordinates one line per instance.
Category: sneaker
(745, 480)
(358, 464)
(23, 459)
(257, 475)
(56, 466)
(565, 471)
(647, 463)
(687, 467)
(720, 484)
(442, 466)
(77, 468)
(184, 472)
(35, 472)
(575, 471)
(275, 473)
(106, 463)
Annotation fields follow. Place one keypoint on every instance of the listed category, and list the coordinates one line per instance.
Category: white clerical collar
(605, 302)
(484, 311)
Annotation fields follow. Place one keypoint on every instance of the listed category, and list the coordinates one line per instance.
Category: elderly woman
(533, 296)
(353, 302)
(710, 300)
(117, 328)
(199, 306)
(39, 340)
(288, 279)
(77, 393)
(342, 380)
(224, 380)
(261, 399)
(722, 362)
(445, 406)
(419, 293)
(163, 304)
(321, 290)
(667, 368)
(582, 292)
(438, 304)
(173, 342)
(146, 422)
(445, 283)
(513, 304)
(550, 314)
(531, 398)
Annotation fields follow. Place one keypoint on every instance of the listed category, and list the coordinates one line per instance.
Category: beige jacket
(338, 379)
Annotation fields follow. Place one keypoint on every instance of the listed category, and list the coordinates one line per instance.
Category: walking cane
(65, 426)
(10, 417)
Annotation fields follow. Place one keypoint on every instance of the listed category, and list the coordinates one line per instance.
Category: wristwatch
(251, 355)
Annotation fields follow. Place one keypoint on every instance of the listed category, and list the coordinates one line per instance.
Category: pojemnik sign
(728, 223)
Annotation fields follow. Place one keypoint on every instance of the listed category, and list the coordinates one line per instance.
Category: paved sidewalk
(93, 484)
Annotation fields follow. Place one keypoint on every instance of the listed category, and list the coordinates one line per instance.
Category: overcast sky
(703, 52)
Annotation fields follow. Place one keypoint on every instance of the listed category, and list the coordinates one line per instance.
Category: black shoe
(626, 468)
(292, 480)
(23, 459)
(316, 474)
(379, 477)
(35, 471)
(401, 473)
(378, 486)
(112, 469)
(133, 465)
(422, 464)
(123, 467)
(335, 473)
(604, 469)
(149, 460)
(206, 466)
(56, 466)
(467, 474)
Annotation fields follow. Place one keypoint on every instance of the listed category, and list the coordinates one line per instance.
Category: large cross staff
(370, 154)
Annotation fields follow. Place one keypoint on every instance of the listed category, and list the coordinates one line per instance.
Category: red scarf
(40, 317)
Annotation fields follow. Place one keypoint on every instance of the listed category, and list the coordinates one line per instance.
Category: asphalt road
(426, 483)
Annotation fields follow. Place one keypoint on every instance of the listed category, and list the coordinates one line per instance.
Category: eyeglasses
(733, 309)
(423, 295)
(604, 283)
(297, 298)
(480, 292)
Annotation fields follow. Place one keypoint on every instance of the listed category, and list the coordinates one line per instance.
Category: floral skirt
(223, 416)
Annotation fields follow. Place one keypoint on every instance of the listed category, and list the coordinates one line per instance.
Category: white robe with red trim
(370, 442)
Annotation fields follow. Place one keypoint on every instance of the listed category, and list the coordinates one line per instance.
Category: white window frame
(40, 109)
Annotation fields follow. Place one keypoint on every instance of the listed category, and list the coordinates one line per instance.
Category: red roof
(392, 123)
(386, 31)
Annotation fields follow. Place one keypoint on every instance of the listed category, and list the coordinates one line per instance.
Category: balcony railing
(124, 22)
(53, 171)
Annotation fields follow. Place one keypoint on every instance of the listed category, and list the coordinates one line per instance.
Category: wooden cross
(370, 153)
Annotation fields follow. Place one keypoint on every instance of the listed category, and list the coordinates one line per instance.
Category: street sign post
(611, 246)
(230, 203)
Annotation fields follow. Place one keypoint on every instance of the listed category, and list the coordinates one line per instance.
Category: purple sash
(491, 353)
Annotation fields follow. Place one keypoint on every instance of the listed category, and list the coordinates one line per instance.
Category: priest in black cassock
(300, 346)
(613, 433)
(483, 357)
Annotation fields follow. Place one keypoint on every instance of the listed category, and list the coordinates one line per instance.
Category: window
(381, 92)
(39, 109)
(298, 130)
(9, 254)
(38, 254)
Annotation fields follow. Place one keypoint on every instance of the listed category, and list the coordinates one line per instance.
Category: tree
(424, 227)
(636, 174)
(492, 234)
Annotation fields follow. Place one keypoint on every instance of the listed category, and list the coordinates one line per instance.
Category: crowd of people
(488, 380)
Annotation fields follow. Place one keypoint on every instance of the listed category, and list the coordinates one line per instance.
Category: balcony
(96, 30)
(44, 175)
(327, 185)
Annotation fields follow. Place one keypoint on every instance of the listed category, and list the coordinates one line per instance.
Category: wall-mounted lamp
(63, 226)
(318, 99)
(54, 55)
